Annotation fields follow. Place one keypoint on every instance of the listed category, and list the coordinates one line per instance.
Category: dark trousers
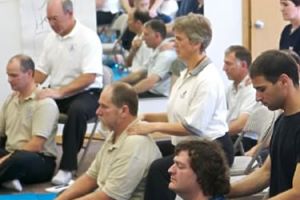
(28, 167)
(158, 177)
(79, 108)
(105, 18)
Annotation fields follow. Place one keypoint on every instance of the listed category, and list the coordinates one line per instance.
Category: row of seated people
(197, 105)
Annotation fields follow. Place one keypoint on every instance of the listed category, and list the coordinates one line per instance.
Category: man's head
(137, 19)
(154, 33)
(118, 105)
(196, 27)
(290, 9)
(236, 62)
(20, 72)
(60, 16)
(199, 167)
(274, 73)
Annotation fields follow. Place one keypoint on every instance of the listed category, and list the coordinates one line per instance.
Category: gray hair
(196, 27)
(67, 6)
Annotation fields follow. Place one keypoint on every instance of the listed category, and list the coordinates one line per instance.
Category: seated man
(275, 77)
(122, 163)
(240, 94)
(29, 126)
(157, 82)
(200, 171)
(71, 58)
(139, 51)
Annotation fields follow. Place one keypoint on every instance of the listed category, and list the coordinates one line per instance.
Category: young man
(275, 77)
(71, 58)
(121, 165)
(200, 171)
(29, 126)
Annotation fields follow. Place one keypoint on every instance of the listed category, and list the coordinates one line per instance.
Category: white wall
(225, 16)
(10, 40)
(15, 27)
(226, 19)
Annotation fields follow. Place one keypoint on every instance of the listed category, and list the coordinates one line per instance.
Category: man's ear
(124, 110)
(284, 79)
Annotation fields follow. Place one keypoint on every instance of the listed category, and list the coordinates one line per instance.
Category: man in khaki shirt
(27, 129)
(121, 165)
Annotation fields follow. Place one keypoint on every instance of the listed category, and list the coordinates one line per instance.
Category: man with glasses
(71, 58)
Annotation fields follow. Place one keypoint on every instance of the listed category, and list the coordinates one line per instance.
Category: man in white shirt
(158, 80)
(71, 58)
(240, 94)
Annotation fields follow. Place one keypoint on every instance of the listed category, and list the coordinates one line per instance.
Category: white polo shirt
(113, 6)
(66, 58)
(141, 57)
(160, 63)
(198, 101)
(241, 100)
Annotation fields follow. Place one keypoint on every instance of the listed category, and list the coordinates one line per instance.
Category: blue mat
(28, 196)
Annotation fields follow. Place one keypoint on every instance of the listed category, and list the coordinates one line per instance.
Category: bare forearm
(253, 183)
(129, 58)
(290, 194)
(175, 129)
(39, 77)
(126, 6)
(81, 187)
(155, 117)
(78, 84)
(36, 144)
(145, 84)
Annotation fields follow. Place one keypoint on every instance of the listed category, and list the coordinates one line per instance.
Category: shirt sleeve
(45, 118)
(162, 64)
(92, 56)
(128, 170)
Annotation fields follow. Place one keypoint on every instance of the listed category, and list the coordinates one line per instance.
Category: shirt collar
(206, 61)
(72, 32)
(121, 138)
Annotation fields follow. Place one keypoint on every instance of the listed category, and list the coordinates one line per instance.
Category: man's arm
(147, 83)
(97, 195)
(134, 77)
(39, 77)
(126, 6)
(135, 45)
(154, 7)
(76, 85)
(82, 186)
(294, 192)
(36, 144)
(236, 126)
(252, 183)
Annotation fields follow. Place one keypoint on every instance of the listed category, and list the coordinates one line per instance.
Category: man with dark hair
(200, 170)
(71, 58)
(27, 129)
(157, 82)
(240, 95)
(123, 161)
(275, 77)
(139, 51)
